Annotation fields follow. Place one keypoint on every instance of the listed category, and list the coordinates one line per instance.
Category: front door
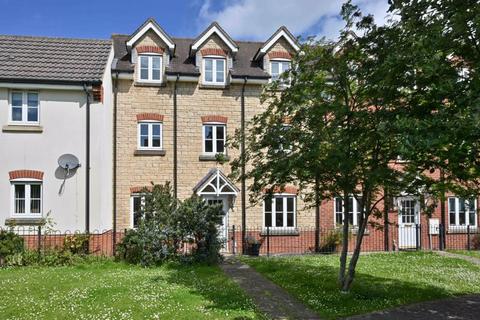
(223, 228)
(407, 221)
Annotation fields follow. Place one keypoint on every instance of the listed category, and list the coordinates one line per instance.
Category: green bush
(76, 243)
(331, 241)
(167, 224)
(10, 244)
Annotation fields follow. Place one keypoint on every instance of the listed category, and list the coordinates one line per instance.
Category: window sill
(213, 86)
(22, 128)
(150, 84)
(461, 229)
(212, 157)
(280, 232)
(25, 221)
(150, 153)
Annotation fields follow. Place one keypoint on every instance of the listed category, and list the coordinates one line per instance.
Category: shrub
(10, 244)
(166, 224)
(76, 243)
(476, 242)
(48, 257)
(331, 241)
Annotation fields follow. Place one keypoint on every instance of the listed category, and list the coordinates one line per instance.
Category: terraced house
(177, 100)
(88, 124)
(55, 104)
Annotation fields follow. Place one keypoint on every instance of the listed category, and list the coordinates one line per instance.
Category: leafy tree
(339, 132)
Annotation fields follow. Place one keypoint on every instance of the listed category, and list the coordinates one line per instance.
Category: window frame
(28, 198)
(281, 62)
(24, 107)
(355, 211)
(132, 206)
(214, 138)
(457, 213)
(150, 56)
(285, 211)
(150, 124)
(214, 81)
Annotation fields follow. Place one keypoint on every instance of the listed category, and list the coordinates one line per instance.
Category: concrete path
(460, 308)
(459, 256)
(272, 300)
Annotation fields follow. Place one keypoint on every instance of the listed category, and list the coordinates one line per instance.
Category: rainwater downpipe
(87, 161)
(242, 155)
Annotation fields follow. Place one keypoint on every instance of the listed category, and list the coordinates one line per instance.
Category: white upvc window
(214, 69)
(149, 68)
(26, 199)
(353, 208)
(24, 107)
(150, 135)
(279, 211)
(214, 138)
(277, 67)
(462, 212)
(137, 201)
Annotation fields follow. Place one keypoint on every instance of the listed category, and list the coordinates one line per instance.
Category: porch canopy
(215, 183)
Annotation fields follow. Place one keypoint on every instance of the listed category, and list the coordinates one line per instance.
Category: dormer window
(214, 71)
(150, 68)
(278, 67)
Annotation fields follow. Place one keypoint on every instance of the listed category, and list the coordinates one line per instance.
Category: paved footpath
(272, 300)
(460, 308)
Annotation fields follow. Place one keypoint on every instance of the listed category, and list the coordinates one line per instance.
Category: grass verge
(109, 290)
(382, 281)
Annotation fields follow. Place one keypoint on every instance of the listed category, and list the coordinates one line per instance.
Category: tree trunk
(356, 254)
(343, 255)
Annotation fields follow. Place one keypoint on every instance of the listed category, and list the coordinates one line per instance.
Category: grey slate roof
(52, 60)
(182, 63)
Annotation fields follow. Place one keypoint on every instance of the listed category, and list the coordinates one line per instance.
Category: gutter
(115, 94)
(87, 161)
(175, 130)
(242, 157)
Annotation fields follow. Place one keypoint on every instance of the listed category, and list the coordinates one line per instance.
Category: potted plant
(253, 246)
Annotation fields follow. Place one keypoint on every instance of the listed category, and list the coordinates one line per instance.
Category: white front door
(407, 220)
(223, 228)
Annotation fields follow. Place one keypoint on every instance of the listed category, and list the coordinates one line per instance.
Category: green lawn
(109, 290)
(471, 253)
(383, 280)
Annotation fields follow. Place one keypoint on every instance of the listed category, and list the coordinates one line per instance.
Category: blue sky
(242, 19)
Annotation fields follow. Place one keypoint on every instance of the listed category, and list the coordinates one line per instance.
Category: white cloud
(253, 19)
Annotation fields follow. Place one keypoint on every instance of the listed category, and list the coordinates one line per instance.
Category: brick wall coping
(26, 174)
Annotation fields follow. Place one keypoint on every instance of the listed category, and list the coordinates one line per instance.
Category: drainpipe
(242, 157)
(175, 155)
(115, 94)
(87, 161)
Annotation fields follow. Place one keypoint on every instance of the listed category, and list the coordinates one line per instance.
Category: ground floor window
(136, 203)
(354, 210)
(280, 211)
(27, 199)
(462, 212)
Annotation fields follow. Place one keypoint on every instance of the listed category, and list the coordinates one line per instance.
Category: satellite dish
(68, 161)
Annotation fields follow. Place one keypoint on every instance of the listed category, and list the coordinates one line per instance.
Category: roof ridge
(53, 38)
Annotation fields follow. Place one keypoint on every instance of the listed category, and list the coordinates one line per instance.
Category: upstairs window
(279, 211)
(150, 135)
(462, 212)
(214, 138)
(24, 107)
(277, 68)
(214, 71)
(150, 68)
(26, 199)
